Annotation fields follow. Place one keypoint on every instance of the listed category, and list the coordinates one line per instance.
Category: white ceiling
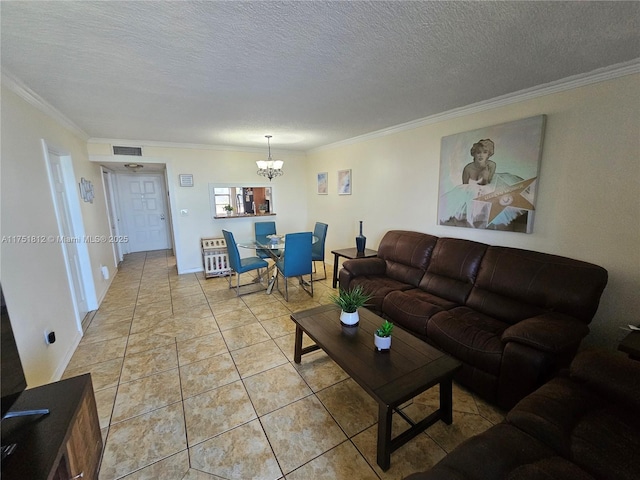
(309, 73)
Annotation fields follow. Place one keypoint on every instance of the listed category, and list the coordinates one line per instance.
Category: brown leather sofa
(582, 425)
(513, 317)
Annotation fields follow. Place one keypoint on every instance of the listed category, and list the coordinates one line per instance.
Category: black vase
(361, 241)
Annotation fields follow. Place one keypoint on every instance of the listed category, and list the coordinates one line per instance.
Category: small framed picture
(86, 190)
(323, 183)
(344, 182)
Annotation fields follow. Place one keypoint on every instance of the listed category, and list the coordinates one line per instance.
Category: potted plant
(349, 301)
(382, 336)
(228, 209)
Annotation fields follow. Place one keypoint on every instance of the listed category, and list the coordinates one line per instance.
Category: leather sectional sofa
(513, 317)
(581, 425)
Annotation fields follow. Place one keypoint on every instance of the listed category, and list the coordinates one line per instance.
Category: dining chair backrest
(265, 228)
(317, 249)
(297, 254)
(232, 250)
(262, 229)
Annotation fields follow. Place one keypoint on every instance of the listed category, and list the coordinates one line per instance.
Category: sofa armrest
(550, 332)
(609, 373)
(358, 267)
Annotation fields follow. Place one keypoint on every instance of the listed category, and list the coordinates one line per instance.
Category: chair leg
(303, 284)
(237, 287)
(324, 265)
(286, 289)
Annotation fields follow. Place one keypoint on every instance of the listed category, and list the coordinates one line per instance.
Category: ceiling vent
(133, 151)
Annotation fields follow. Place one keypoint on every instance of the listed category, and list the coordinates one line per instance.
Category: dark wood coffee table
(408, 369)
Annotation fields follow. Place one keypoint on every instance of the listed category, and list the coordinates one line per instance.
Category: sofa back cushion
(406, 254)
(453, 268)
(515, 284)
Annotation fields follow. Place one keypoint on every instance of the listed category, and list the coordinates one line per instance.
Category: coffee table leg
(385, 414)
(297, 352)
(446, 402)
(335, 271)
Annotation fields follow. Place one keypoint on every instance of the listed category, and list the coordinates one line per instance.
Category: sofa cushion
(469, 336)
(606, 443)
(453, 268)
(552, 468)
(514, 284)
(551, 412)
(406, 255)
(413, 308)
(595, 432)
(378, 286)
(494, 455)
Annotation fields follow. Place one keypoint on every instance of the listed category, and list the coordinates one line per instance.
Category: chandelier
(270, 168)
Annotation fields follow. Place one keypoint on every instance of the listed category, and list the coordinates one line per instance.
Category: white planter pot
(349, 319)
(383, 344)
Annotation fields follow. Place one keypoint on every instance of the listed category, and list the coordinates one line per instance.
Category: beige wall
(587, 204)
(219, 166)
(33, 275)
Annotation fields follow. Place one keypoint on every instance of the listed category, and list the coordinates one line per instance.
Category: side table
(349, 254)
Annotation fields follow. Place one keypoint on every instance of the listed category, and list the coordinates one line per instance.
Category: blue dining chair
(296, 261)
(317, 249)
(241, 265)
(262, 229)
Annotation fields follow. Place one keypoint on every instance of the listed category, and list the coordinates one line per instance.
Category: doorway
(145, 212)
(112, 213)
(70, 226)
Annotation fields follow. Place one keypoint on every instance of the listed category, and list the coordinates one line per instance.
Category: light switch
(184, 212)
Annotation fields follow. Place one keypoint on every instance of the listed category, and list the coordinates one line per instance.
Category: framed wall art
(344, 182)
(323, 183)
(86, 190)
(489, 176)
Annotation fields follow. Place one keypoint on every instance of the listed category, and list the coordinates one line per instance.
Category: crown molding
(31, 97)
(569, 83)
(193, 146)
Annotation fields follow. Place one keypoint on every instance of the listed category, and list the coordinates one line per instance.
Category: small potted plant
(349, 301)
(382, 336)
(228, 209)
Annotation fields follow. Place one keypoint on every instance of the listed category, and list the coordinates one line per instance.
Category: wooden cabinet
(64, 444)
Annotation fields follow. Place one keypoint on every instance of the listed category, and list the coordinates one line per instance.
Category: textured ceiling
(308, 73)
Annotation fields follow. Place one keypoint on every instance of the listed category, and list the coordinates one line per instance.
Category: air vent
(134, 151)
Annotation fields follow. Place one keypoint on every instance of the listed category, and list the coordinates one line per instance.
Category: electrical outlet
(49, 337)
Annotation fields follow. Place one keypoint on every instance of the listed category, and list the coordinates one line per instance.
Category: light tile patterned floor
(194, 383)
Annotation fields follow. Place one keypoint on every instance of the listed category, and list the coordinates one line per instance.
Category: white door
(66, 225)
(144, 207)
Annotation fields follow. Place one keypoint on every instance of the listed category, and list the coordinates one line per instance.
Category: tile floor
(193, 383)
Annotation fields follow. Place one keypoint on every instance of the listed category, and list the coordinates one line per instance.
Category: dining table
(274, 246)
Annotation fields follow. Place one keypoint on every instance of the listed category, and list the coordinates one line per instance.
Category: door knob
(162, 216)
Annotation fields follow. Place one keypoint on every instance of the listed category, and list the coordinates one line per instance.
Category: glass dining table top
(268, 242)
